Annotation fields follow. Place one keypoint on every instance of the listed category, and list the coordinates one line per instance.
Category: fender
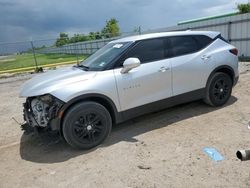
(225, 67)
(99, 98)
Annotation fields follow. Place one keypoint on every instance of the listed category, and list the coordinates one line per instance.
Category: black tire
(219, 89)
(86, 125)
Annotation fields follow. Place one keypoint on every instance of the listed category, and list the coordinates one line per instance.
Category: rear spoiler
(220, 37)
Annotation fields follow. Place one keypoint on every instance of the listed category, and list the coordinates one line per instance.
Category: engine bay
(39, 111)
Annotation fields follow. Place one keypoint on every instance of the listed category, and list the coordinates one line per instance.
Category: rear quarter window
(183, 45)
(203, 40)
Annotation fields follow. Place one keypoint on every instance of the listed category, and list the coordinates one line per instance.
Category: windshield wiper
(82, 66)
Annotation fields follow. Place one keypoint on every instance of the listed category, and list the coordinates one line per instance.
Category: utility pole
(139, 30)
(34, 54)
(76, 52)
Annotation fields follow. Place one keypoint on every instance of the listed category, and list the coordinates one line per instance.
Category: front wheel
(219, 89)
(86, 125)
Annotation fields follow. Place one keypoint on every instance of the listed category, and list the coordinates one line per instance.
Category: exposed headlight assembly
(40, 110)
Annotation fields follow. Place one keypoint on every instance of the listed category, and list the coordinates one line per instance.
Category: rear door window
(182, 45)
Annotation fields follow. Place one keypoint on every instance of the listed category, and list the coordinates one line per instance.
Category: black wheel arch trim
(99, 98)
(220, 68)
(119, 117)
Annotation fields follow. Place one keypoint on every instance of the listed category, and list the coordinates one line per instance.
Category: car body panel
(145, 84)
(103, 83)
(191, 71)
(68, 83)
(54, 80)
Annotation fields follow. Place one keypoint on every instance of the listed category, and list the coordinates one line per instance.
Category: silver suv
(127, 78)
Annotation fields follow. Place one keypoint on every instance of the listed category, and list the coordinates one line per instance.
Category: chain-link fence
(34, 54)
(86, 47)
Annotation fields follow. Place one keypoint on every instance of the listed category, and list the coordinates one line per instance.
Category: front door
(149, 82)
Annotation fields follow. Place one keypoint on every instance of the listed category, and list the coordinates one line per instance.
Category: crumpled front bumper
(31, 123)
(28, 116)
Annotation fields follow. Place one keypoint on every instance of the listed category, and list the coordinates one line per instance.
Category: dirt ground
(164, 149)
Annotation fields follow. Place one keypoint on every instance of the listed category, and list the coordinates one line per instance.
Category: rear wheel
(86, 125)
(219, 89)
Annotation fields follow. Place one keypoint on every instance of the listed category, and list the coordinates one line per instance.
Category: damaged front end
(41, 113)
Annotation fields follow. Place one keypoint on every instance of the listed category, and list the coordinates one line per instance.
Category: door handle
(205, 57)
(163, 69)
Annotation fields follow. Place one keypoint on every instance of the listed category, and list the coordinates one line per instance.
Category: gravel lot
(164, 149)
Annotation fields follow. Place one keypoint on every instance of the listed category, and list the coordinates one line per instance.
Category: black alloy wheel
(219, 89)
(86, 125)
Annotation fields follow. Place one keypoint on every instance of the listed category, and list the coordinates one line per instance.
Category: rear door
(191, 62)
(149, 82)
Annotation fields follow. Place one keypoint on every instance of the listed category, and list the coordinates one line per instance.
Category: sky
(22, 20)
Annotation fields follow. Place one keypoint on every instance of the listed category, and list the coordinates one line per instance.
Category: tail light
(234, 51)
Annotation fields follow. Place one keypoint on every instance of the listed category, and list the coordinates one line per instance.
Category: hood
(53, 80)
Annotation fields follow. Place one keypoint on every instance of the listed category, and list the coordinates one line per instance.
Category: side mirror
(129, 64)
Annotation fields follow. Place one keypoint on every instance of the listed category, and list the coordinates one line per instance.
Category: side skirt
(162, 104)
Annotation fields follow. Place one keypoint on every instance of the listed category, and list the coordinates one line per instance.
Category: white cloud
(47, 18)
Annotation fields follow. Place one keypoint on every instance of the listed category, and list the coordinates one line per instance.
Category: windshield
(101, 58)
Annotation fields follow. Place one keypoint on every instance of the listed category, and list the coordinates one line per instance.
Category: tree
(244, 8)
(98, 35)
(92, 36)
(111, 29)
(62, 40)
(78, 38)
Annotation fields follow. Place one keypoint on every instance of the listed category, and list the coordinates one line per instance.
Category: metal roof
(207, 18)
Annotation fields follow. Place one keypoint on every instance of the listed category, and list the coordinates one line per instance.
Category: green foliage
(92, 36)
(98, 35)
(63, 39)
(244, 8)
(27, 60)
(78, 38)
(111, 29)
(95, 35)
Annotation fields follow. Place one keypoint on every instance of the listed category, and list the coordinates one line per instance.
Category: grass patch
(27, 60)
